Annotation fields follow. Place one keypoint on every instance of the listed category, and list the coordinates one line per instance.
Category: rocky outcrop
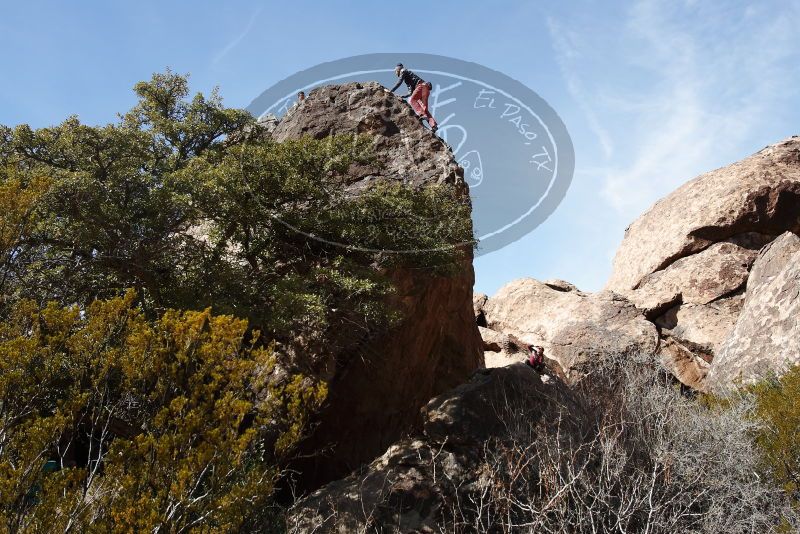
(408, 151)
(686, 284)
(378, 385)
(766, 337)
(700, 278)
(701, 283)
(575, 328)
(758, 194)
(688, 262)
(405, 489)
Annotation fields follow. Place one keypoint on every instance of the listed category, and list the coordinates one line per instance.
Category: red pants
(419, 102)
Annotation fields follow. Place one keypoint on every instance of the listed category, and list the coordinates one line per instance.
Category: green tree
(190, 204)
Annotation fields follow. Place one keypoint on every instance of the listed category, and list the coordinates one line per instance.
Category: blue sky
(653, 92)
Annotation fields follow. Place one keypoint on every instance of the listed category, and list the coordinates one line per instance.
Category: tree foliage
(125, 404)
(188, 202)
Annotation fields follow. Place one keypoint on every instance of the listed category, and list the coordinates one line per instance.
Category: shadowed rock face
(378, 385)
(405, 489)
(758, 194)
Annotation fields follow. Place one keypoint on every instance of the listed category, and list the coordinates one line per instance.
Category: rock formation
(689, 284)
(688, 263)
(378, 385)
(575, 328)
(404, 489)
(707, 281)
(759, 194)
(766, 337)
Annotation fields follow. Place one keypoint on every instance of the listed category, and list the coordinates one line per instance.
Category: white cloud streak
(701, 78)
(238, 39)
(566, 51)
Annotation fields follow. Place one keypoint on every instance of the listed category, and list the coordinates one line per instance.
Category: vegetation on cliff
(148, 268)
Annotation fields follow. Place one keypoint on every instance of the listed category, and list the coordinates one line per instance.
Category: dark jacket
(409, 78)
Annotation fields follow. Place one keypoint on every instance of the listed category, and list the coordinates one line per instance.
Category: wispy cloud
(686, 89)
(566, 53)
(238, 39)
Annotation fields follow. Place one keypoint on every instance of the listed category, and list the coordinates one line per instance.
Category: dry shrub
(644, 458)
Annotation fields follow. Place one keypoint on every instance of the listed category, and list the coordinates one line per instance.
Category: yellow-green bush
(175, 421)
(778, 406)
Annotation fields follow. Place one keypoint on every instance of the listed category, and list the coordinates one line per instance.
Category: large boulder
(407, 488)
(758, 194)
(686, 261)
(408, 151)
(702, 327)
(378, 384)
(700, 278)
(766, 337)
(575, 328)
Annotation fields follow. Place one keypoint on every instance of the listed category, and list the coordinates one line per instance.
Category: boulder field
(707, 280)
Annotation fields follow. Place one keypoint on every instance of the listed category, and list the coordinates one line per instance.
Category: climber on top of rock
(418, 91)
(301, 97)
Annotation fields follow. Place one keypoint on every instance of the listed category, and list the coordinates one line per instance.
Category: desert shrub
(111, 423)
(778, 407)
(643, 457)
